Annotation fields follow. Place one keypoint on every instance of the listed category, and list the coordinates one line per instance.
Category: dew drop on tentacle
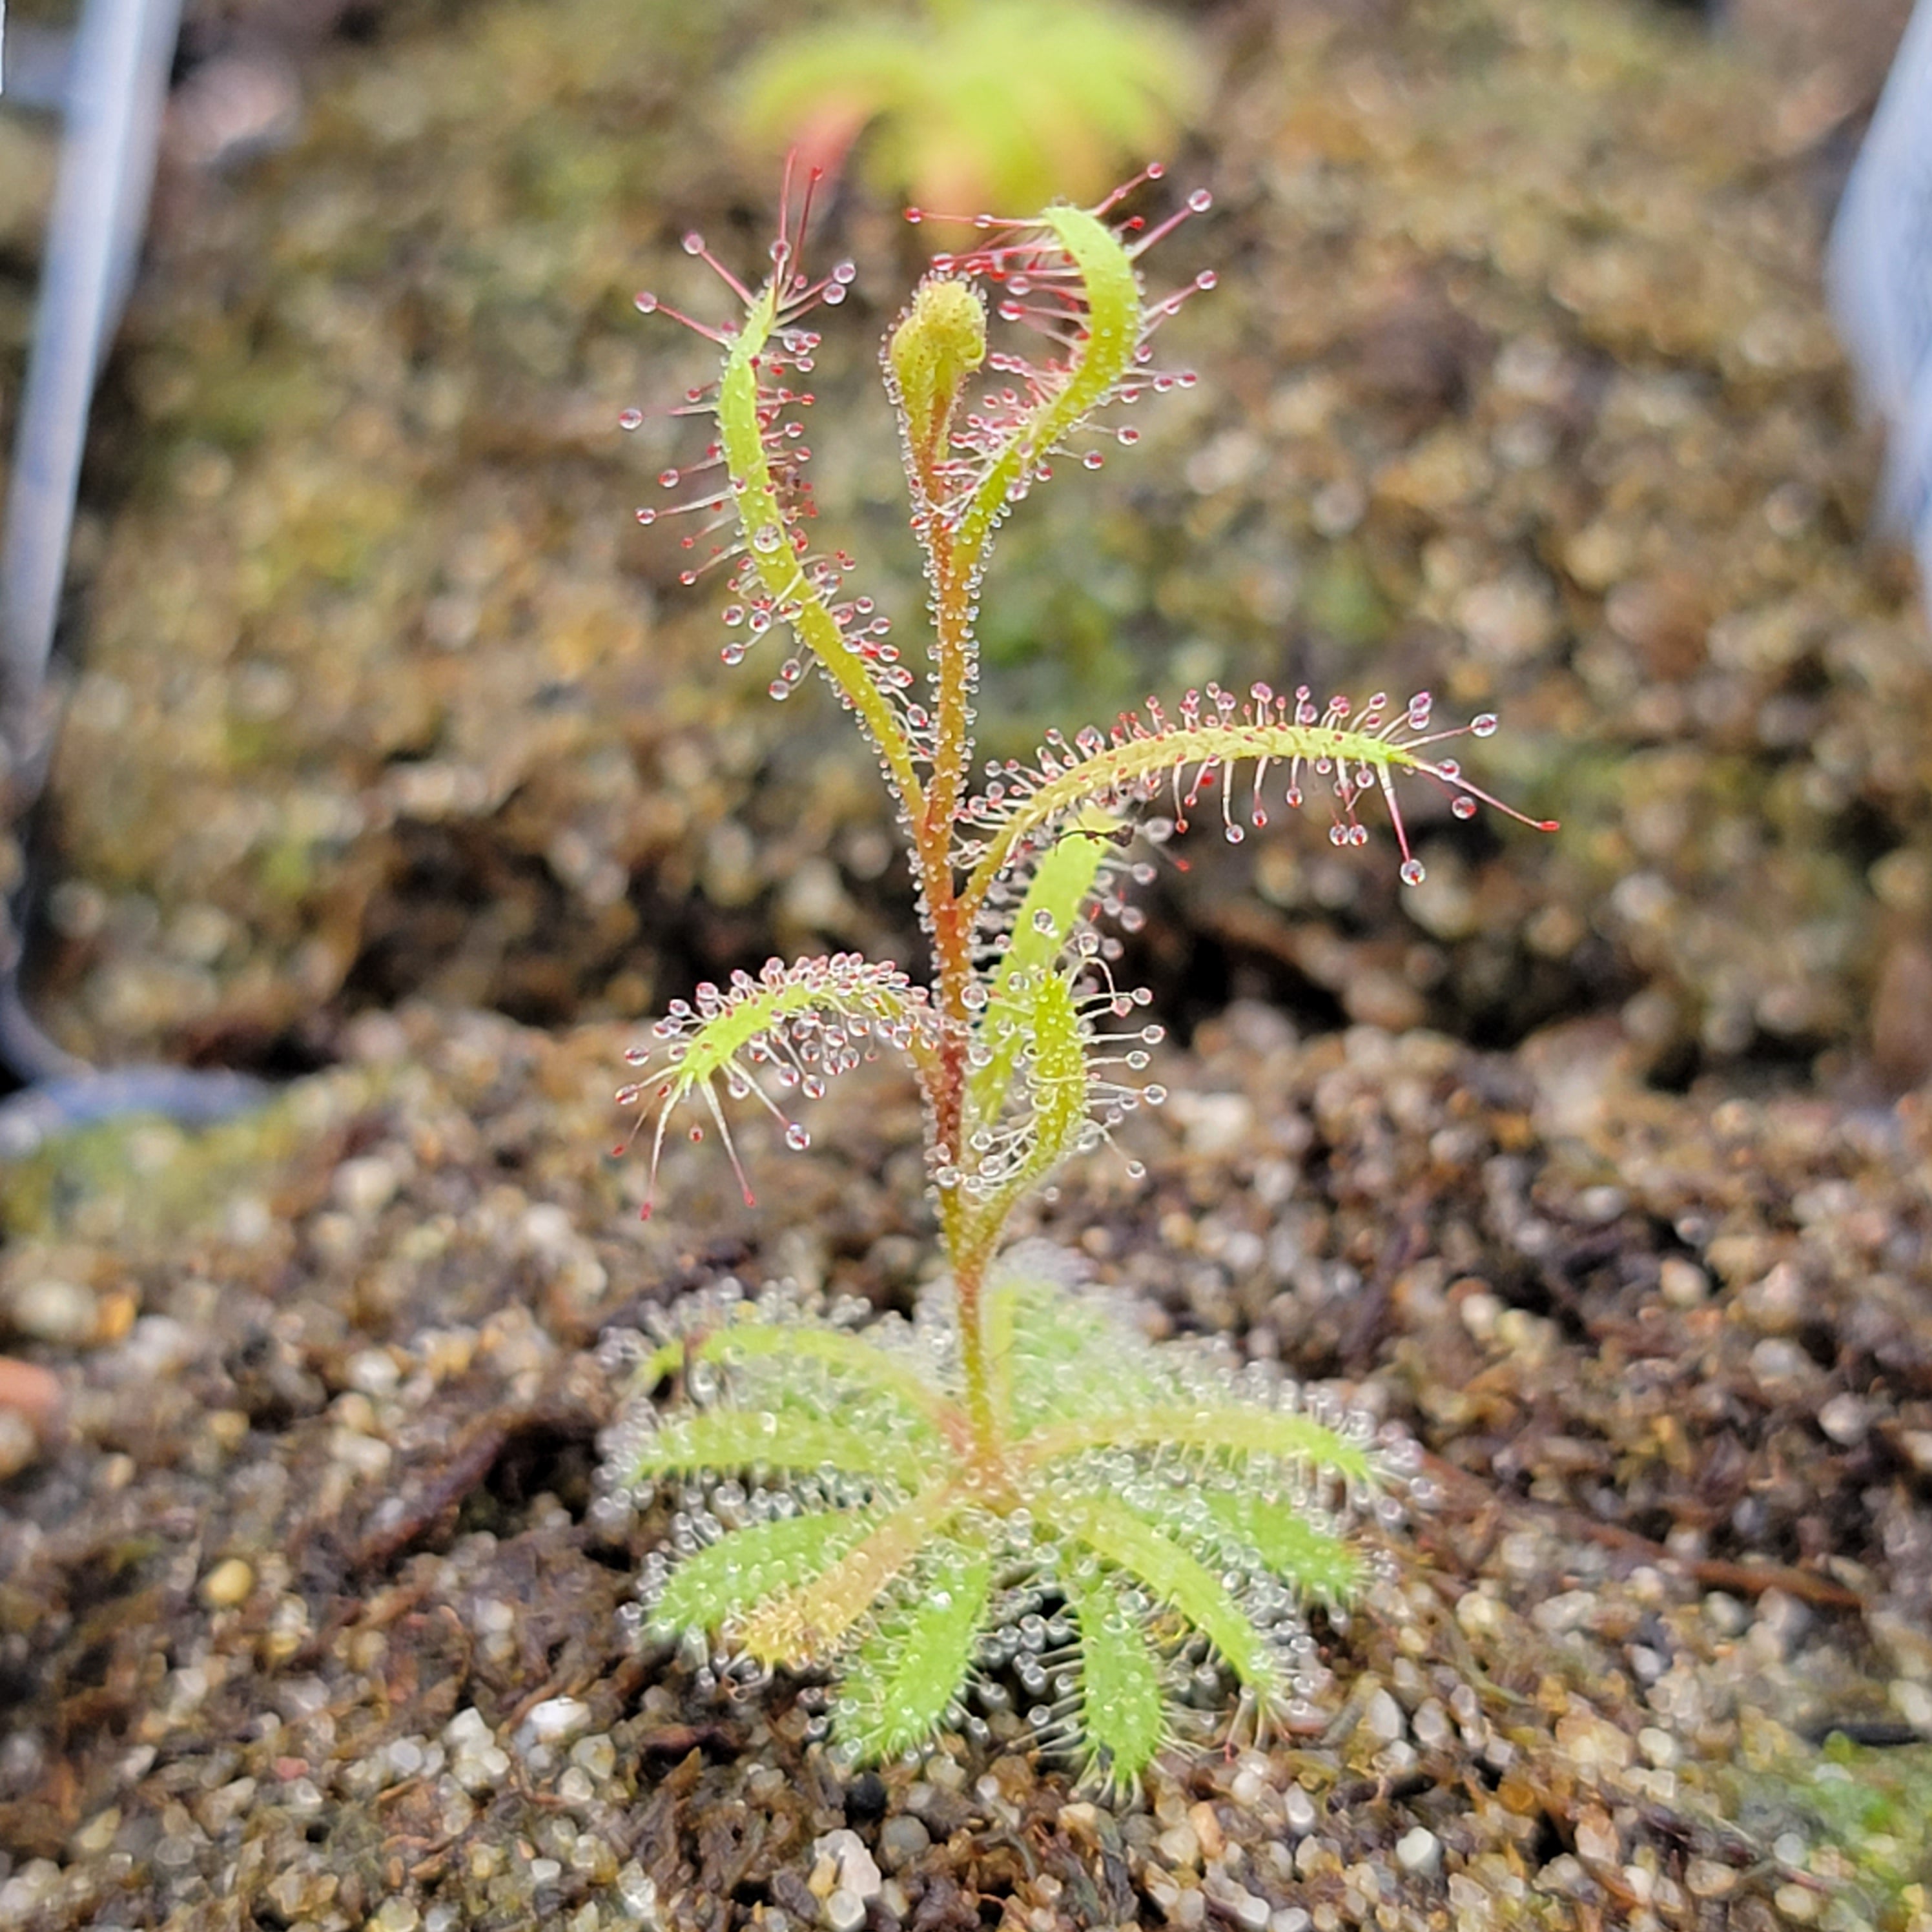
(1413, 873)
(1484, 726)
(627, 419)
(1463, 805)
(796, 1138)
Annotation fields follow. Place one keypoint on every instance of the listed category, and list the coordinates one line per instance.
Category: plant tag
(1879, 273)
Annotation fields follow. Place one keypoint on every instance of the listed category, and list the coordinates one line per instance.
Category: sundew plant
(1012, 1502)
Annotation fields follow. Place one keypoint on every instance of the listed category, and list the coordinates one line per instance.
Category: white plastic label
(1879, 275)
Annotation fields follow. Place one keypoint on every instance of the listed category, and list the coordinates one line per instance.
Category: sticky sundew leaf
(907, 1674)
(1066, 1355)
(1122, 1706)
(1167, 1502)
(708, 1592)
(833, 1372)
(817, 1620)
(1171, 1575)
(1062, 882)
(1316, 1563)
(762, 1441)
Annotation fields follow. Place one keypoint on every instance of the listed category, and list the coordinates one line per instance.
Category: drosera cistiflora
(1012, 1501)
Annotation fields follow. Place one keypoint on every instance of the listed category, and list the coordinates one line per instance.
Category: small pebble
(557, 1719)
(1658, 1747)
(1235, 1902)
(1913, 1703)
(902, 1839)
(1846, 1420)
(1382, 1719)
(61, 1312)
(367, 1185)
(844, 1910)
(1725, 1615)
(1705, 1878)
(1180, 1850)
(1798, 1902)
(854, 1870)
(1431, 1725)
(1419, 1852)
(1682, 1284)
(1570, 1611)
(1206, 1831)
(19, 1443)
(227, 1584)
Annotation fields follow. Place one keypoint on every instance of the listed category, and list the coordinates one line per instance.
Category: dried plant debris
(314, 1613)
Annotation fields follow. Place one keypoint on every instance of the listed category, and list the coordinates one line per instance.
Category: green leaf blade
(818, 1619)
(902, 1679)
(721, 1439)
(1234, 1429)
(744, 1567)
(1317, 1563)
(844, 1354)
(1063, 877)
(1123, 1711)
(1118, 1536)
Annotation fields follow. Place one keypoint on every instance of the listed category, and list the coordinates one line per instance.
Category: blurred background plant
(962, 106)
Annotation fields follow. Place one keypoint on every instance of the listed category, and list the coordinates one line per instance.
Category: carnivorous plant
(1012, 1502)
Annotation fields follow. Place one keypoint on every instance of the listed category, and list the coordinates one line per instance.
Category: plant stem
(968, 1239)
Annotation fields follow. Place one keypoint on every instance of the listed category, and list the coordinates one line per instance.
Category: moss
(1864, 1815)
(149, 1180)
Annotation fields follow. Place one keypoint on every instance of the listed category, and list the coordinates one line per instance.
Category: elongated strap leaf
(1122, 1710)
(761, 516)
(742, 1439)
(706, 1592)
(848, 1354)
(1062, 877)
(1254, 1432)
(814, 1620)
(1067, 1356)
(1117, 1536)
(1318, 1563)
(895, 1693)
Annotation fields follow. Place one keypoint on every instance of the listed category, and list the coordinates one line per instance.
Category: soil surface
(308, 1619)
(398, 759)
